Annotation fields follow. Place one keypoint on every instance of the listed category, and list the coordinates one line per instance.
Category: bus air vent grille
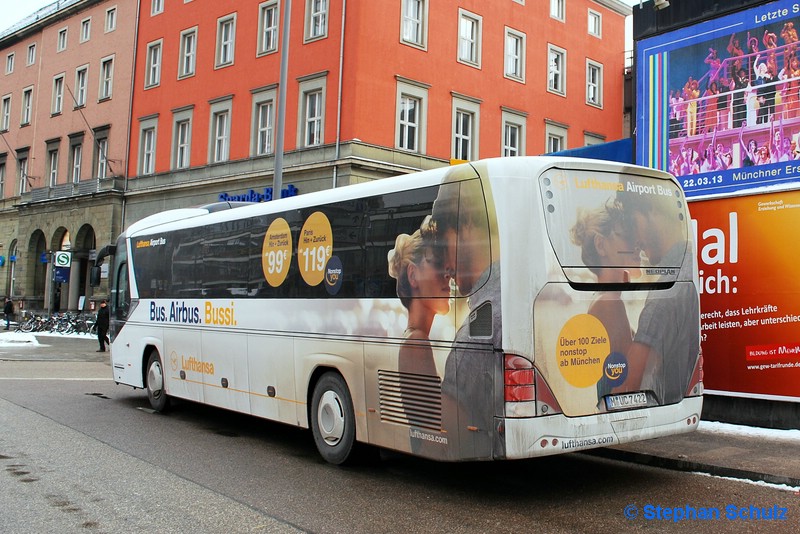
(410, 399)
(480, 321)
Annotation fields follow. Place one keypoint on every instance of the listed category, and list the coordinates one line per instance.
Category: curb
(678, 464)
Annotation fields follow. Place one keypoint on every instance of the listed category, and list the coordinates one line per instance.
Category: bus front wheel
(156, 392)
(333, 420)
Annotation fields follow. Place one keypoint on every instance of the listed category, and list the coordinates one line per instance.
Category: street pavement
(766, 457)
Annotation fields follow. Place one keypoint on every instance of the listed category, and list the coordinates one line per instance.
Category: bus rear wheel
(156, 392)
(333, 420)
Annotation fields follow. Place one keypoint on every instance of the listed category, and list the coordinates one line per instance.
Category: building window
(557, 9)
(311, 110)
(557, 58)
(466, 115)
(147, 147)
(515, 55)
(262, 122)
(86, 30)
(408, 121)
(316, 19)
(27, 102)
(590, 139)
(555, 137)
(412, 111)
(219, 129)
(156, 7)
(22, 162)
(5, 113)
(52, 166)
(61, 43)
(226, 39)
(111, 19)
(182, 144)
(469, 38)
(101, 155)
(182, 137)
(31, 54)
(594, 83)
(313, 118)
(81, 78)
(462, 135)
(511, 135)
(188, 53)
(268, 27)
(153, 67)
(514, 124)
(595, 23)
(9, 63)
(106, 77)
(265, 116)
(414, 27)
(221, 132)
(2, 178)
(58, 94)
(75, 165)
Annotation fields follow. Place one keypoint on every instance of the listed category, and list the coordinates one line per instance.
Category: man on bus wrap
(468, 254)
(668, 331)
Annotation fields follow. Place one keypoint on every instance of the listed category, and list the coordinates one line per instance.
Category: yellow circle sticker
(314, 248)
(581, 349)
(276, 252)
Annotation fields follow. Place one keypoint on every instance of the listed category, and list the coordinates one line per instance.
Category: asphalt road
(81, 454)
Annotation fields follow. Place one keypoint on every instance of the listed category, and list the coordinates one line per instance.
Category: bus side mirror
(94, 276)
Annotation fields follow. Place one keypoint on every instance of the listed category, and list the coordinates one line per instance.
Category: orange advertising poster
(748, 251)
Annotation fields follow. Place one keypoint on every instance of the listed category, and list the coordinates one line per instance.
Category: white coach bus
(506, 308)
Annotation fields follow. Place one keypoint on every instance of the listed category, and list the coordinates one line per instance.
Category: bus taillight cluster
(518, 379)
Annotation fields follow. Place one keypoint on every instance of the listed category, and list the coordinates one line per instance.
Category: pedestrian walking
(8, 310)
(102, 325)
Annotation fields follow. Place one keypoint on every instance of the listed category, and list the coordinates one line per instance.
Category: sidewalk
(719, 449)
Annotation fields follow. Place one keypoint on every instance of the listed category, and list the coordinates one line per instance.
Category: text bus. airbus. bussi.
(500, 309)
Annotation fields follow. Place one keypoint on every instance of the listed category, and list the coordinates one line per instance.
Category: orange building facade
(149, 105)
(372, 89)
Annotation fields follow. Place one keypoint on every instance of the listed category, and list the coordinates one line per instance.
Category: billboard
(750, 294)
(718, 103)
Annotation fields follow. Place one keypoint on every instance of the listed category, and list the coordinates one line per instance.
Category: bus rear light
(518, 379)
(519, 393)
(696, 382)
(546, 403)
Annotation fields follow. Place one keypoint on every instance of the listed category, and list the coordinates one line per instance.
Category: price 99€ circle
(276, 253)
(314, 248)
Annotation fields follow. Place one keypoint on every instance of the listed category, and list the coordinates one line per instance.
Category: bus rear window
(615, 228)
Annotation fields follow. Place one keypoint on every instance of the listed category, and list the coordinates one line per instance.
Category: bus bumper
(555, 434)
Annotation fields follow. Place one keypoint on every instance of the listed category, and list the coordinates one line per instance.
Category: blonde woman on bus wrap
(424, 292)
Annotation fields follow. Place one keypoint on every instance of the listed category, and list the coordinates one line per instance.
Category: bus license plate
(627, 400)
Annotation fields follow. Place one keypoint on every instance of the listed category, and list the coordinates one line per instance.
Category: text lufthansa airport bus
(501, 309)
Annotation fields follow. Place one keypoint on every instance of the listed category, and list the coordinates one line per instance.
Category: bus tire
(156, 392)
(333, 421)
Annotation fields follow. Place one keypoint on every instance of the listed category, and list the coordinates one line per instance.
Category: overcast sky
(12, 11)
